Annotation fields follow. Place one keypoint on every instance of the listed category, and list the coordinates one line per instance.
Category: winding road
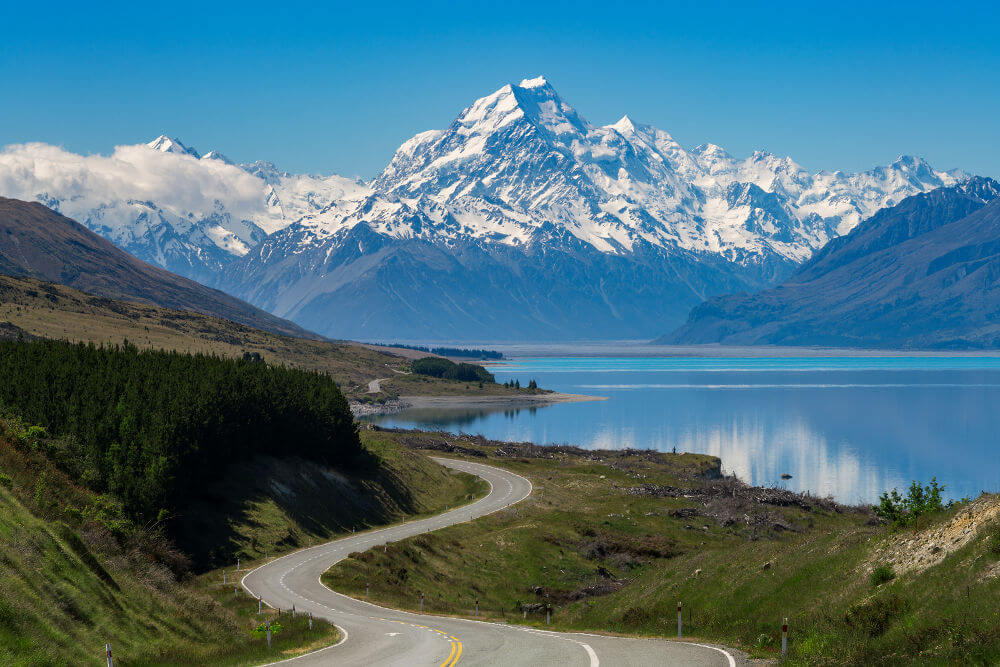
(374, 635)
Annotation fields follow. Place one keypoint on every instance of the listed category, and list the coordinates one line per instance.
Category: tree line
(445, 368)
(448, 351)
(153, 427)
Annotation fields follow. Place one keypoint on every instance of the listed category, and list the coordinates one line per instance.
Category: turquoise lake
(849, 427)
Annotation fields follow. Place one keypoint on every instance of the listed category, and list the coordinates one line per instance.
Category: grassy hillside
(47, 310)
(266, 505)
(614, 539)
(76, 574)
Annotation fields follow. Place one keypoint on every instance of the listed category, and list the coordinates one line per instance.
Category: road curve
(378, 636)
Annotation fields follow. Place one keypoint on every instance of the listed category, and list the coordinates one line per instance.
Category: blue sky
(338, 88)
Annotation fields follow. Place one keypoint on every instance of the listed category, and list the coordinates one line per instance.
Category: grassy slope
(67, 585)
(270, 505)
(56, 311)
(613, 561)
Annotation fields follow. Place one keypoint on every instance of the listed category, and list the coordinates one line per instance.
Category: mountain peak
(537, 82)
(909, 161)
(216, 155)
(624, 125)
(166, 144)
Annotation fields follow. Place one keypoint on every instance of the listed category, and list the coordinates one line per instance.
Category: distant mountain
(38, 242)
(922, 274)
(520, 220)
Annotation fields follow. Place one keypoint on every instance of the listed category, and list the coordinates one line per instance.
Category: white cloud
(179, 184)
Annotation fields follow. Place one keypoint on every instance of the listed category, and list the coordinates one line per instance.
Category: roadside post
(477, 607)
(237, 564)
(421, 603)
(784, 638)
(310, 620)
(236, 591)
(293, 611)
(678, 619)
(367, 587)
(267, 627)
(258, 605)
(548, 614)
(223, 577)
(107, 650)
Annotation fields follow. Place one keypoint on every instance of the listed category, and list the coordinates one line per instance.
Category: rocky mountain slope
(922, 274)
(40, 243)
(520, 220)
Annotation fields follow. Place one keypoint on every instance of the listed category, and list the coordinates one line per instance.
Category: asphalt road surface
(375, 635)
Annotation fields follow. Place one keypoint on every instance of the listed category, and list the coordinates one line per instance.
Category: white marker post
(477, 607)
(267, 626)
(237, 564)
(236, 592)
(259, 603)
(293, 611)
(678, 619)
(548, 614)
(421, 603)
(367, 588)
(310, 620)
(107, 650)
(784, 638)
(223, 577)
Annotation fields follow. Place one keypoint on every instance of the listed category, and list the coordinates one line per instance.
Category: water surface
(850, 427)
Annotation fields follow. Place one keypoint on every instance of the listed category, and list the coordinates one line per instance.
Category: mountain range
(922, 274)
(521, 220)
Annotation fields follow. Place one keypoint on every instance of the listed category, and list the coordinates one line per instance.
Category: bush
(905, 510)
(882, 574)
(5, 481)
(447, 369)
(876, 616)
(261, 630)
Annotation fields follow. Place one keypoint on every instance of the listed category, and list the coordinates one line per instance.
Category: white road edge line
(730, 658)
(311, 653)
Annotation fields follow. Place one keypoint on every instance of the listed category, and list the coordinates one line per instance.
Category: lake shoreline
(394, 406)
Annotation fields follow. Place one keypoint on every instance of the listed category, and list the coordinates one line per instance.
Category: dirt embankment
(920, 550)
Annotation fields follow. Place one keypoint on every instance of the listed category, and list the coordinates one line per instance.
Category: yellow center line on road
(456, 644)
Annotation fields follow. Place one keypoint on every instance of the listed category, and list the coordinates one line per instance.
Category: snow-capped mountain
(518, 220)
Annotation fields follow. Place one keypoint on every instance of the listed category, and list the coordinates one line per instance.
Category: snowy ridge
(518, 173)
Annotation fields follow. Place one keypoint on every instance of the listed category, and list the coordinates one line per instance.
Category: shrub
(876, 616)
(882, 574)
(5, 481)
(261, 630)
(905, 510)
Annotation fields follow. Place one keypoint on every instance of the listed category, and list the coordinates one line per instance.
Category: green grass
(67, 590)
(267, 506)
(75, 575)
(612, 561)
